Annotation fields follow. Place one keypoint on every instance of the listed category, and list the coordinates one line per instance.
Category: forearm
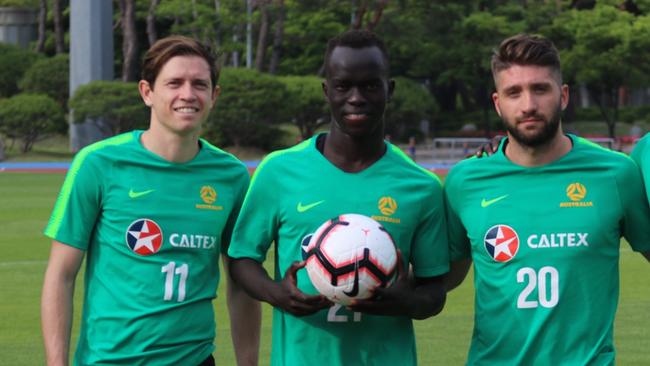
(56, 317)
(245, 323)
(428, 300)
(253, 278)
(457, 273)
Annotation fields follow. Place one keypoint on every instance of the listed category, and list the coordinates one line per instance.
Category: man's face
(182, 95)
(530, 101)
(357, 89)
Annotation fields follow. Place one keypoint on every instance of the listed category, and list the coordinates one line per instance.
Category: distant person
(350, 169)
(542, 220)
(411, 147)
(151, 211)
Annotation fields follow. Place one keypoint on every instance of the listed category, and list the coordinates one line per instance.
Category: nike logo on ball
(302, 208)
(134, 194)
(486, 203)
(355, 285)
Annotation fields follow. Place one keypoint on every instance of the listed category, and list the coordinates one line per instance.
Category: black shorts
(208, 361)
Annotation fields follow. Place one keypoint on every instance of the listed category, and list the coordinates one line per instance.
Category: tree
(116, 102)
(278, 36)
(49, 76)
(411, 103)
(598, 43)
(30, 117)
(152, 32)
(362, 9)
(306, 105)
(129, 40)
(14, 61)
(42, 22)
(248, 110)
(57, 14)
(262, 36)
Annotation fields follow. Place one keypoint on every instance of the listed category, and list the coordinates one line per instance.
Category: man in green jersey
(151, 211)
(542, 220)
(351, 169)
(641, 155)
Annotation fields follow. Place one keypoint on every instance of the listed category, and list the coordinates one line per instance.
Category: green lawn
(25, 204)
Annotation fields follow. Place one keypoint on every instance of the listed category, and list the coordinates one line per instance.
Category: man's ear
(145, 92)
(495, 100)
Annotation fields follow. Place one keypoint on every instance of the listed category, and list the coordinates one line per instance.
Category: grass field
(25, 203)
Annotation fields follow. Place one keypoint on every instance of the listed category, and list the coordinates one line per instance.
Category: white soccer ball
(348, 257)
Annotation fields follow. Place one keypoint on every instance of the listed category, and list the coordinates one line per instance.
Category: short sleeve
(78, 205)
(430, 254)
(459, 245)
(636, 212)
(257, 222)
(241, 188)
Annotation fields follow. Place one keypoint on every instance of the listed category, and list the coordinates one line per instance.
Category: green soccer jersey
(641, 154)
(296, 190)
(152, 231)
(545, 246)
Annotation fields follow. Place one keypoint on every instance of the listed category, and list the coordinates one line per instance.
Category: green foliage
(49, 76)
(411, 103)
(30, 117)
(305, 103)
(117, 102)
(309, 25)
(14, 61)
(605, 48)
(28, 4)
(248, 110)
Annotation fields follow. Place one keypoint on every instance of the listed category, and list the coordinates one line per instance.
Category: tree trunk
(129, 41)
(42, 19)
(235, 40)
(377, 16)
(262, 36)
(596, 96)
(277, 38)
(195, 17)
(217, 25)
(152, 32)
(2, 150)
(57, 12)
(357, 22)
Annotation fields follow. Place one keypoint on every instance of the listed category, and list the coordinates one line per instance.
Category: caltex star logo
(501, 243)
(144, 237)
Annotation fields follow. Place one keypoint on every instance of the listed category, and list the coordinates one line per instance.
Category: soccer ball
(348, 257)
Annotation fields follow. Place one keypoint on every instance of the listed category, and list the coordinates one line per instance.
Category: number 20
(539, 280)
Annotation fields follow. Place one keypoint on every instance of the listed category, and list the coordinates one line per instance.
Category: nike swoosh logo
(486, 203)
(134, 194)
(302, 208)
(355, 285)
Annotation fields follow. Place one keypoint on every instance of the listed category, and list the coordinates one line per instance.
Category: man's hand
(290, 299)
(418, 299)
(488, 148)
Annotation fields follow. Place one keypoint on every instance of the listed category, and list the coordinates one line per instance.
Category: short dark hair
(525, 49)
(355, 38)
(165, 49)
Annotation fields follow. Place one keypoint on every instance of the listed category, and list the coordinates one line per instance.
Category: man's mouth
(186, 109)
(355, 117)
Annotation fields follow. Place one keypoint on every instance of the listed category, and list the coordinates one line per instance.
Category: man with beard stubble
(542, 220)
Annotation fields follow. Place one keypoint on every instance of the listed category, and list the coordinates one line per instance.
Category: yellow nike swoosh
(134, 194)
(486, 203)
(302, 208)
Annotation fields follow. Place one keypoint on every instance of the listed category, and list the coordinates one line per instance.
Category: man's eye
(373, 86)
